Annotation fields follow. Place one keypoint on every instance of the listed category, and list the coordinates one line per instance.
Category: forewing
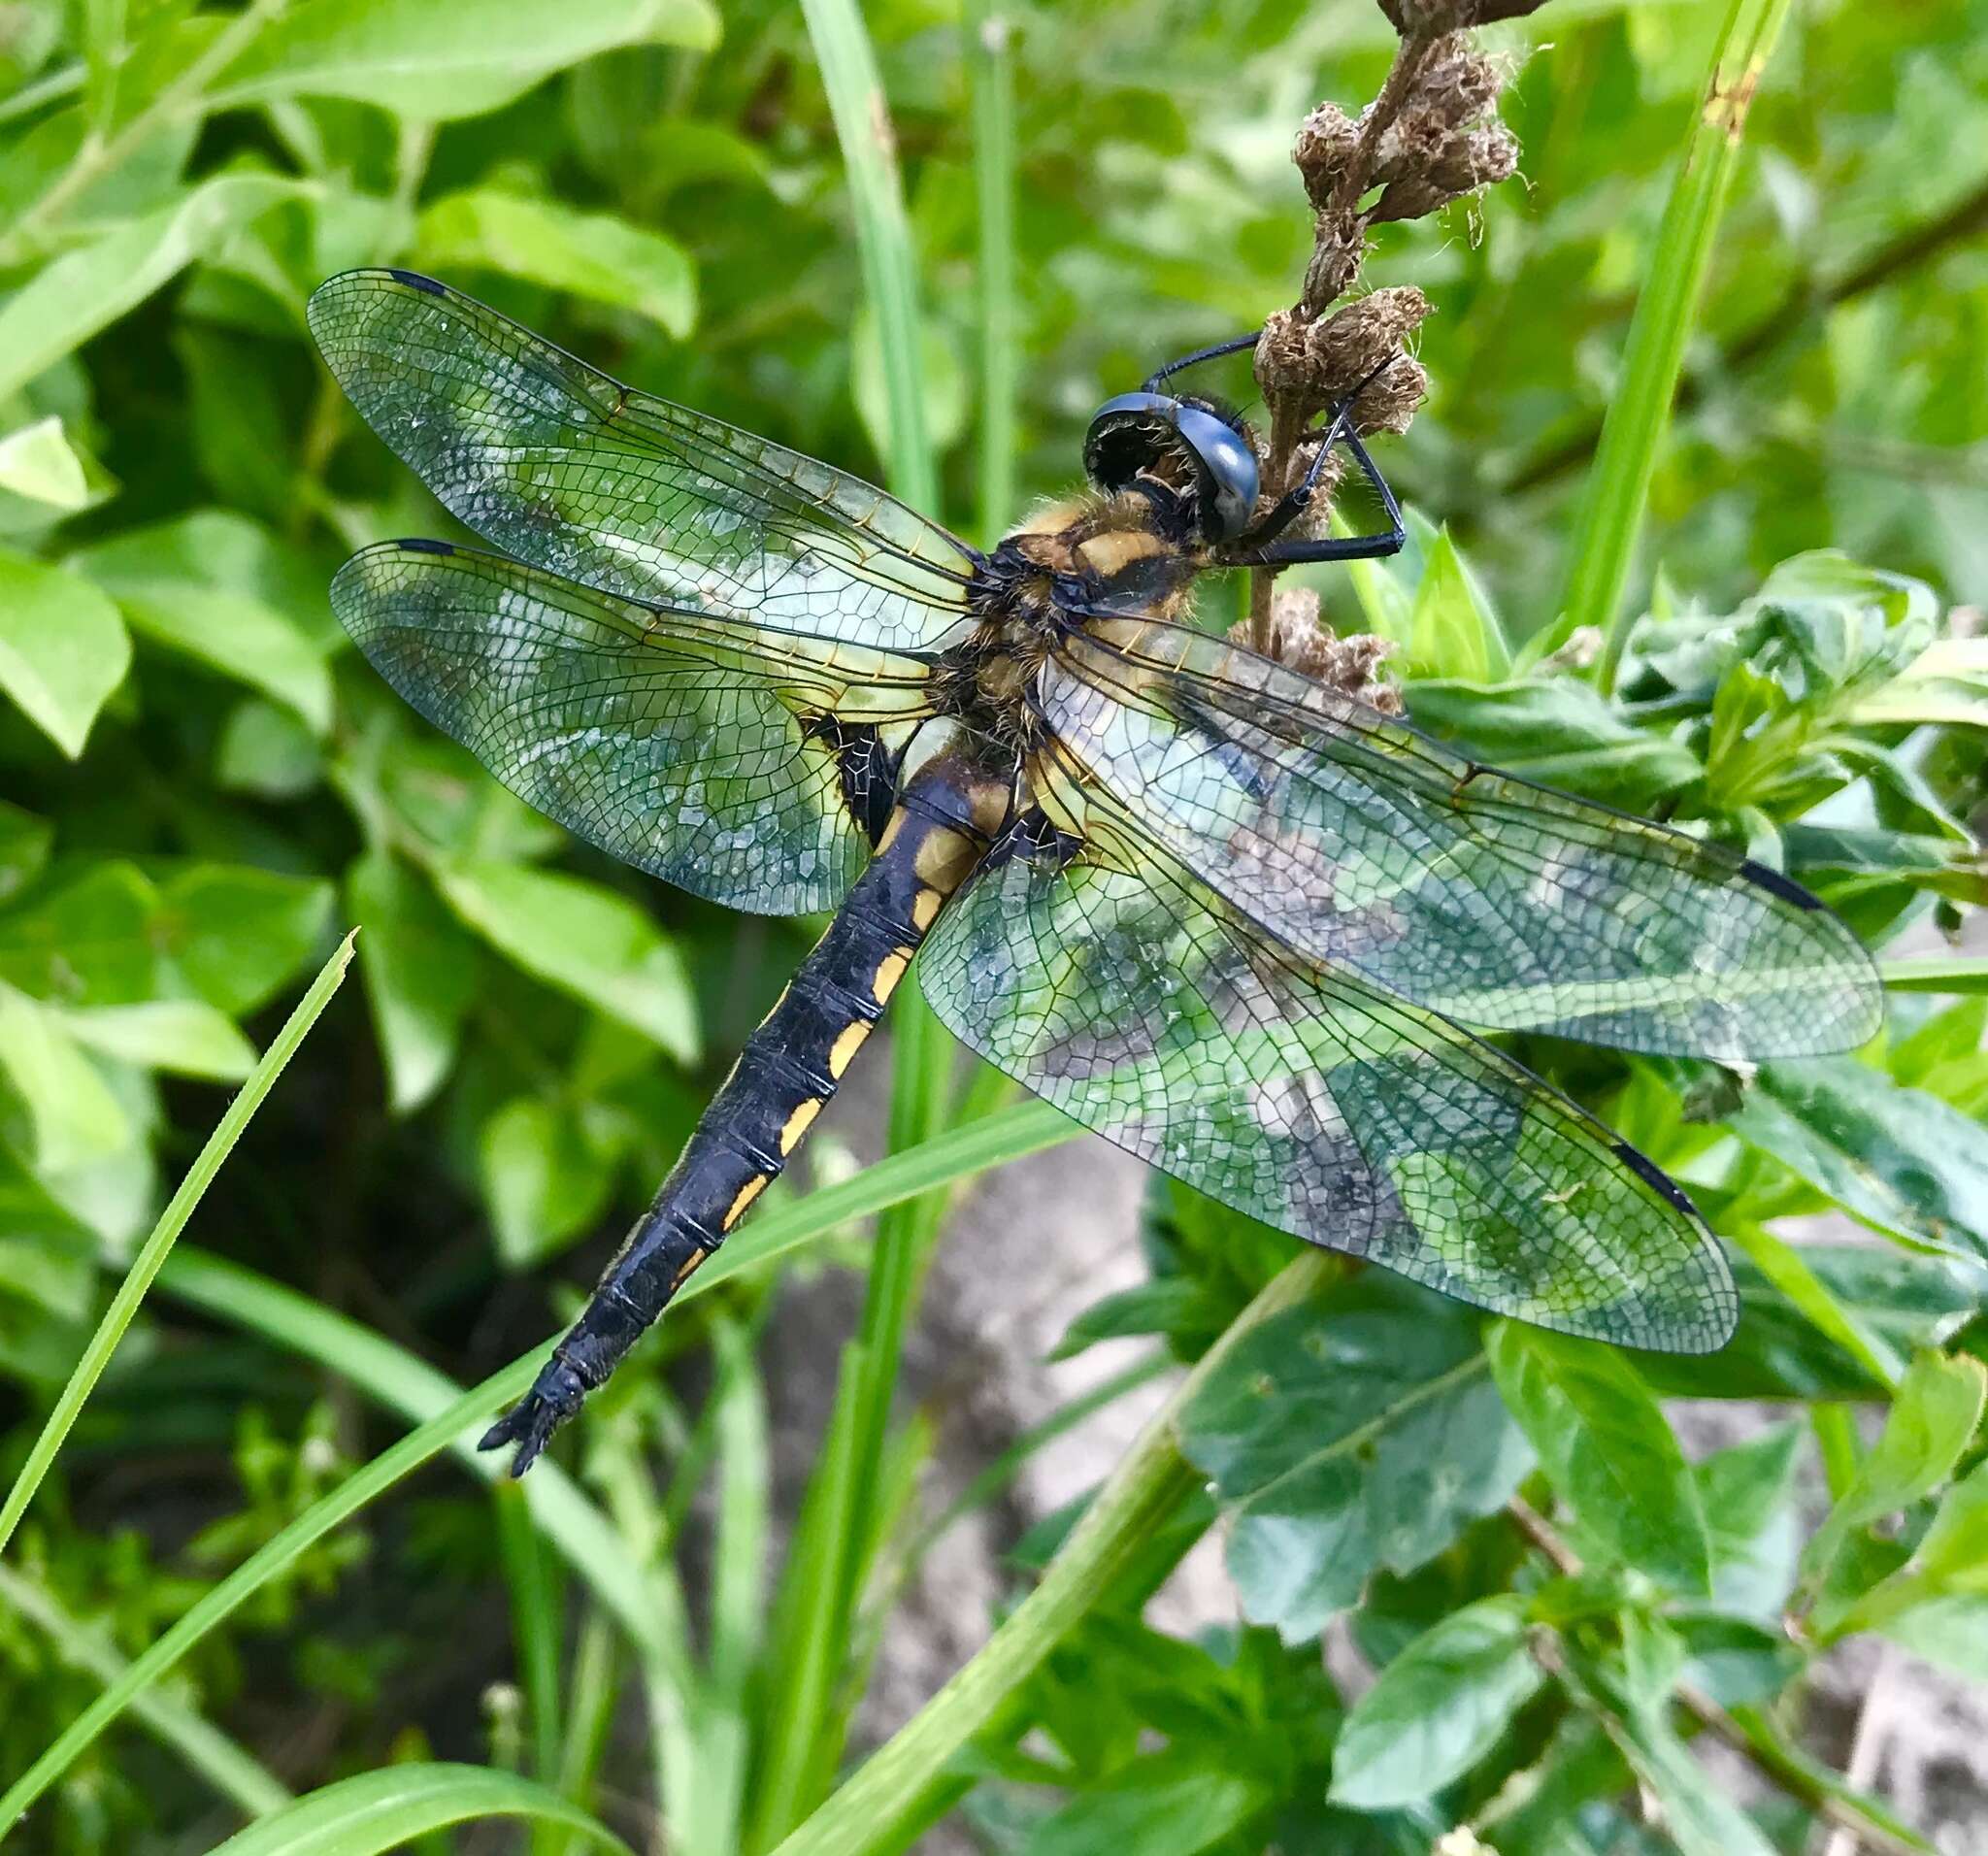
(552, 461)
(1132, 997)
(683, 747)
(1367, 846)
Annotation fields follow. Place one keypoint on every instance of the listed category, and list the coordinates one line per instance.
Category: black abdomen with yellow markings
(939, 831)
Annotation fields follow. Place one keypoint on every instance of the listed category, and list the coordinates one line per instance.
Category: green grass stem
(1143, 1489)
(158, 1247)
(1611, 512)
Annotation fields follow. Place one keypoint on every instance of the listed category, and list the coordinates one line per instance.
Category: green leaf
(237, 934)
(1747, 1491)
(592, 254)
(420, 972)
(37, 461)
(435, 60)
(77, 1119)
(1452, 630)
(62, 646)
(184, 1036)
(1699, 1818)
(1167, 1803)
(583, 939)
(179, 603)
(1899, 1300)
(25, 841)
(1951, 1561)
(1931, 1421)
(1438, 1708)
(1606, 1450)
(265, 750)
(382, 1809)
(1946, 684)
(114, 938)
(1900, 1159)
(70, 298)
(1354, 1432)
(1559, 731)
(541, 1182)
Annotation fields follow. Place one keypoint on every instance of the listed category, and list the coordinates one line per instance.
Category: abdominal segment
(939, 831)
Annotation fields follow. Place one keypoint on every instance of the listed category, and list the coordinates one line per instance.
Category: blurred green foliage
(200, 786)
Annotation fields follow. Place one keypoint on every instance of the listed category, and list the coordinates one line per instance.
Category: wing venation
(683, 747)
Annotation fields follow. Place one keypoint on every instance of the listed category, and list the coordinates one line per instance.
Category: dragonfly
(1242, 923)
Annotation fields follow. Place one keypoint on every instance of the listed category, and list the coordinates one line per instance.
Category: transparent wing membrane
(1143, 1006)
(552, 461)
(679, 745)
(1368, 846)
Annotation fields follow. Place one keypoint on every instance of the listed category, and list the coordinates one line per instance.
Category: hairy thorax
(1069, 565)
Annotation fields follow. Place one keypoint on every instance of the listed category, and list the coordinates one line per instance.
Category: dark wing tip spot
(421, 545)
(1775, 884)
(414, 281)
(1656, 1177)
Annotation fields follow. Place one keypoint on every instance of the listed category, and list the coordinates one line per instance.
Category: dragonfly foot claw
(532, 1420)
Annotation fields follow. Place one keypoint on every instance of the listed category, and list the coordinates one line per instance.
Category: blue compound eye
(1130, 433)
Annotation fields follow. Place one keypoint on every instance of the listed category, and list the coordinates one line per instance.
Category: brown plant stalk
(1429, 137)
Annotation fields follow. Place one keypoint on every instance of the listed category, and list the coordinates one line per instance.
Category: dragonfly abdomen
(940, 830)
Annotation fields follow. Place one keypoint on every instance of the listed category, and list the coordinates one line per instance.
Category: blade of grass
(990, 71)
(394, 1378)
(883, 233)
(820, 1586)
(268, 1563)
(158, 1246)
(1958, 973)
(407, 1384)
(387, 1807)
(226, 1765)
(1617, 490)
(1147, 1485)
(591, 1690)
(535, 1619)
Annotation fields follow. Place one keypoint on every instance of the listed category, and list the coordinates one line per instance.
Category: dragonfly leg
(1297, 499)
(1336, 548)
(1235, 345)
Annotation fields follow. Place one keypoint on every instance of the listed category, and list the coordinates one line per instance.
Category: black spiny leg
(1260, 547)
(1235, 345)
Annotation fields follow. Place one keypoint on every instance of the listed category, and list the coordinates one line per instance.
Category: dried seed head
(1409, 198)
(1339, 243)
(1475, 159)
(1301, 640)
(1350, 343)
(1390, 402)
(1325, 145)
(1319, 363)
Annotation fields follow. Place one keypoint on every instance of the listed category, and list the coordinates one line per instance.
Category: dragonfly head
(1154, 438)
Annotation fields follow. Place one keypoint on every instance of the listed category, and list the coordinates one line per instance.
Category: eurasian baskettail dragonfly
(1227, 916)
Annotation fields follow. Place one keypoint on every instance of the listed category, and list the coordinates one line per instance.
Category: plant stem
(97, 156)
(96, 1356)
(1960, 224)
(1611, 512)
(1142, 1491)
(1710, 1716)
(990, 67)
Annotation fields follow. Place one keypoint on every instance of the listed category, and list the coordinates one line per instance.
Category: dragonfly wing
(712, 757)
(1369, 846)
(1130, 995)
(552, 461)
